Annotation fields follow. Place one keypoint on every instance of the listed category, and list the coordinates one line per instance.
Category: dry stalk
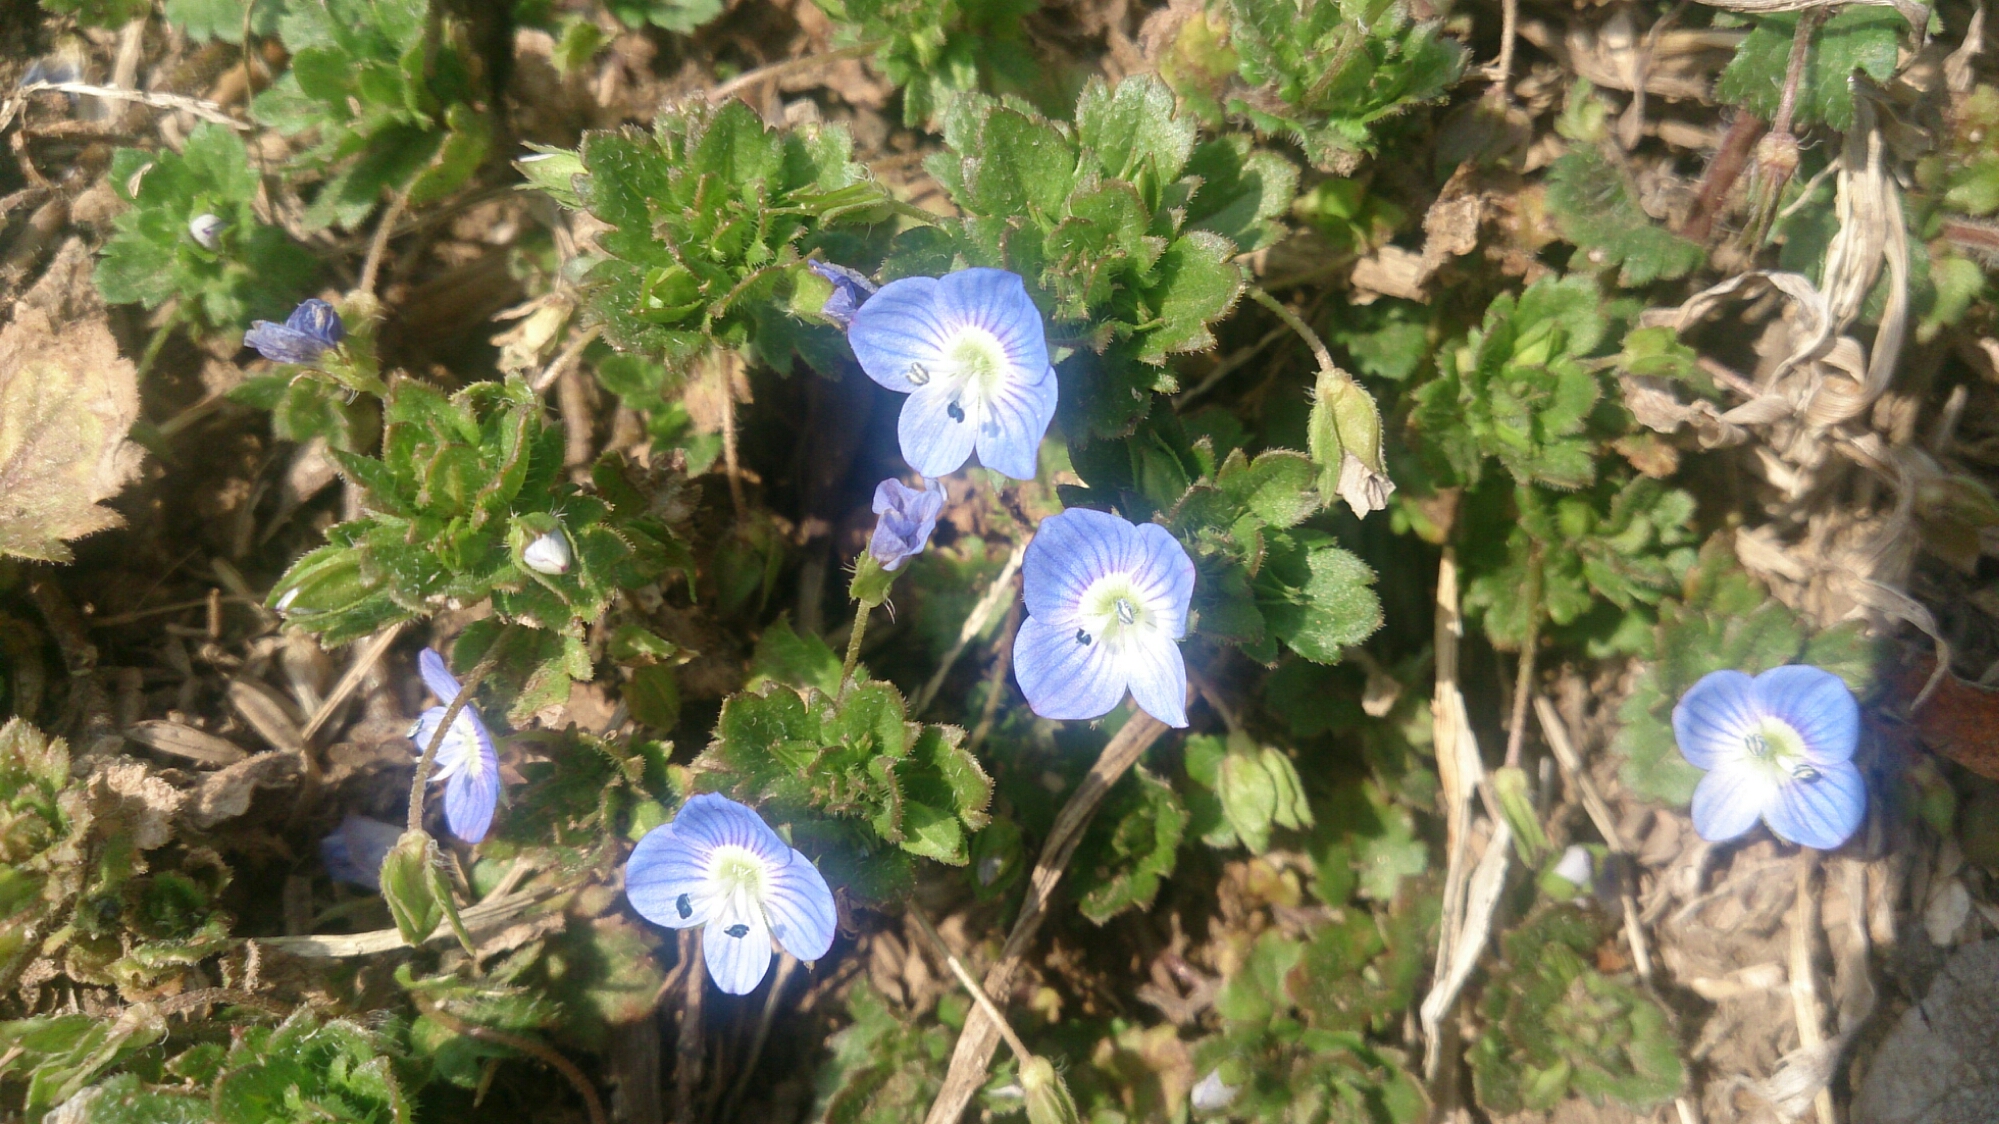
(981, 1036)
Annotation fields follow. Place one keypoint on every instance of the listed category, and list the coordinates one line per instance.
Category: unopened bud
(207, 230)
(1213, 1094)
(547, 554)
(1048, 1100)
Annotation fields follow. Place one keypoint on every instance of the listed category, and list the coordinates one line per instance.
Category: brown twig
(690, 1045)
(981, 1036)
(801, 65)
(526, 1046)
(1727, 166)
(349, 680)
(787, 965)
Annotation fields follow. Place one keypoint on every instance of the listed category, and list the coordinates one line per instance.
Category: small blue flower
(851, 289)
(355, 850)
(1107, 606)
(969, 350)
(719, 866)
(466, 761)
(309, 332)
(1777, 747)
(908, 515)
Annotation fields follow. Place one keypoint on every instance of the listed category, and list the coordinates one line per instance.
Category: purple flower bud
(908, 515)
(850, 291)
(354, 852)
(309, 332)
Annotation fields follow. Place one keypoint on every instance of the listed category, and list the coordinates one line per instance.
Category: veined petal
(1714, 719)
(1070, 551)
(900, 325)
(1165, 578)
(1817, 704)
(1731, 798)
(1062, 677)
(736, 945)
(997, 301)
(666, 878)
(1822, 812)
(436, 676)
(800, 908)
(936, 429)
(469, 799)
(712, 820)
(1157, 675)
(1014, 421)
(280, 344)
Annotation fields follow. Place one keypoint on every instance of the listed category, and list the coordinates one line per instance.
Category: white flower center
(976, 368)
(1113, 612)
(734, 870)
(1777, 746)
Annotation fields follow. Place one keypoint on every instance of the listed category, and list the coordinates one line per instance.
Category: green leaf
(1276, 487)
(1130, 846)
(799, 661)
(407, 887)
(1198, 281)
(1860, 38)
(1593, 208)
(1244, 192)
(1316, 597)
(1134, 130)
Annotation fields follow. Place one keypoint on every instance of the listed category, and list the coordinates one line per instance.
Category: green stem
(159, 338)
(1297, 325)
(451, 712)
(860, 630)
(1523, 681)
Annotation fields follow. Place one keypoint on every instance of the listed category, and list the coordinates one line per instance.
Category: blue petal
(997, 301)
(1164, 576)
(666, 866)
(469, 799)
(900, 325)
(737, 964)
(1731, 798)
(1715, 717)
(436, 676)
(1061, 677)
(1823, 812)
(314, 317)
(1015, 420)
(712, 820)
(1817, 704)
(1158, 677)
(280, 344)
(908, 517)
(851, 289)
(802, 915)
(1070, 551)
(937, 429)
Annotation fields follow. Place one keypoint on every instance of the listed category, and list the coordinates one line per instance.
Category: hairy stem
(1304, 330)
(451, 712)
(379, 246)
(854, 637)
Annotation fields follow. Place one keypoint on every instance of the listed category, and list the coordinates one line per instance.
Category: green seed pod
(1048, 1099)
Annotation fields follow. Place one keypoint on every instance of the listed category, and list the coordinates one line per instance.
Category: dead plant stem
(971, 985)
(787, 965)
(1523, 678)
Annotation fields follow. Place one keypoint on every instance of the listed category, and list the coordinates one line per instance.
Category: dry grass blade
(186, 742)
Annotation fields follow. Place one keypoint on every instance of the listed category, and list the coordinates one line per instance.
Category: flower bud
(206, 229)
(1213, 1094)
(1048, 1100)
(547, 554)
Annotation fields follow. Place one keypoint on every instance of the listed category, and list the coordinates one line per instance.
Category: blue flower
(309, 332)
(466, 761)
(719, 866)
(850, 290)
(1778, 747)
(1107, 605)
(908, 515)
(355, 850)
(969, 350)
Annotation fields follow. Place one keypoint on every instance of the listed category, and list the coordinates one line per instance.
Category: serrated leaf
(1276, 487)
(1859, 38)
(1197, 281)
(1134, 130)
(1316, 597)
(1131, 845)
(1592, 208)
(67, 398)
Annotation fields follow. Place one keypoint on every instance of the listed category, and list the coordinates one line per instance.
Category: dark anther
(738, 930)
(1082, 637)
(956, 411)
(685, 907)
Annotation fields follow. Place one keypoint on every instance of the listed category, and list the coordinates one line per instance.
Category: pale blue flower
(908, 516)
(466, 761)
(1107, 607)
(310, 331)
(719, 866)
(969, 350)
(354, 852)
(1778, 747)
(851, 289)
